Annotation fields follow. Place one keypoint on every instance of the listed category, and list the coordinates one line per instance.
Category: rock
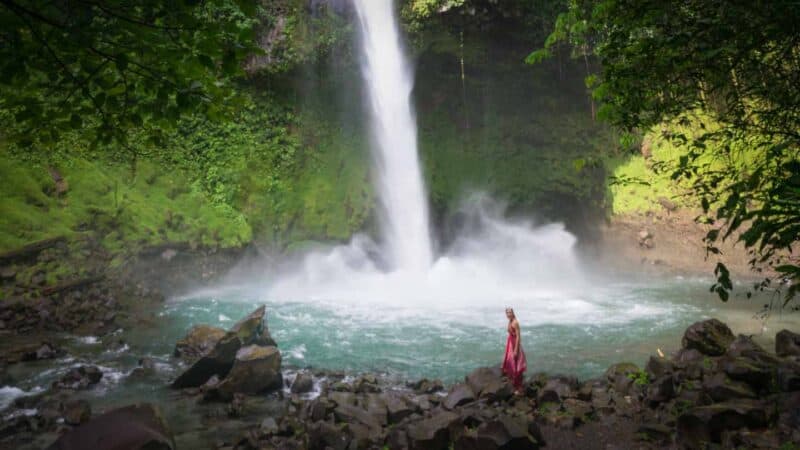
(787, 343)
(398, 407)
(488, 382)
(432, 433)
(217, 362)
(745, 346)
(657, 367)
(721, 388)
(79, 378)
(269, 426)
(137, 426)
(661, 390)
(77, 412)
(705, 424)
(459, 394)
(324, 435)
(256, 369)
(302, 383)
(252, 330)
(655, 432)
(557, 389)
(756, 374)
(354, 414)
(667, 204)
(505, 432)
(46, 351)
(620, 376)
(198, 341)
(788, 376)
(426, 386)
(577, 408)
(709, 337)
(366, 384)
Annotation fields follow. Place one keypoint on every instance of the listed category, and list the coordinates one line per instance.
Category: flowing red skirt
(513, 367)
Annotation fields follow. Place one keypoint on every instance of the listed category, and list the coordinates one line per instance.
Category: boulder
(432, 433)
(505, 432)
(788, 376)
(426, 386)
(721, 388)
(459, 394)
(620, 376)
(709, 337)
(79, 378)
(557, 389)
(756, 374)
(77, 412)
(661, 390)
(705, 424)
(655, 432)
(398, 407)
(139, 426)
(657, 367)
(787, 343)
(323, 435)
(256, 369)
(355, 414)
(488, 382)
(302, 383)
(200, 340)
(745, 346)
(219, 361)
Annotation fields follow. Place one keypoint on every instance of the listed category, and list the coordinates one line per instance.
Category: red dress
(513, 367)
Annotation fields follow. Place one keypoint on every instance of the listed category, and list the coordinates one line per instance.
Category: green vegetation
(737, 64)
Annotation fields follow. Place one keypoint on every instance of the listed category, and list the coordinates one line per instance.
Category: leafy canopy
(109, 67)
(737, 61)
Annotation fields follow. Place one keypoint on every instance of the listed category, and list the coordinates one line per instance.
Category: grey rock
(787, 343)
(709, 337)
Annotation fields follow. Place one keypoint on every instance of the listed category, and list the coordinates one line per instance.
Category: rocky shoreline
(718, 390)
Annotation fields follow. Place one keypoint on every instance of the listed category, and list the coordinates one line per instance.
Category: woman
(514, 362)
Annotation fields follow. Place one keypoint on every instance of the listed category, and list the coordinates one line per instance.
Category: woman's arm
(519, 338)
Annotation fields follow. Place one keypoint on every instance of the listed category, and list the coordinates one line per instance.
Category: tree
(735, 61)
(108, 67)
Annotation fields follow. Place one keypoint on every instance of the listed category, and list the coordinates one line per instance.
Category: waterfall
(401, 191)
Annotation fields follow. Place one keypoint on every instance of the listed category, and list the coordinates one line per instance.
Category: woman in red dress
(514, 362)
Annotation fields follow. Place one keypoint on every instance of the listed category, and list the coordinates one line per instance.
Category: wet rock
(137, 426)
(505, 432)
(721, 388)
(744, 346)
(459, 394)
(219, 361)
(366, 384)
(256, 369)
(488, 382)
(198, 341)
(709, 337)
(354, 414)
(252, 329)
(705, 424)
(269, 426)
(79, 378)
(655, 432)
(426, 386)
(754, 373)
(324, 435)
(661, 390)
(398, 407)
(302, 383)
(657, 367)
(577, 408)
(620, 376)
(787, 343)
(645, 239)
(557, 389)
(432, 433)
(77, 412)
(788, 376)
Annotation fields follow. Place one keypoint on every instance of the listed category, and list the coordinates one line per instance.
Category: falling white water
(401, 192)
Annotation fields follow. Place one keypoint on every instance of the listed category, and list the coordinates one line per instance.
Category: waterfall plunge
(491, 262)
(389, 82)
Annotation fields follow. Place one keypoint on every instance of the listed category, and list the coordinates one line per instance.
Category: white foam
(10, 393)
